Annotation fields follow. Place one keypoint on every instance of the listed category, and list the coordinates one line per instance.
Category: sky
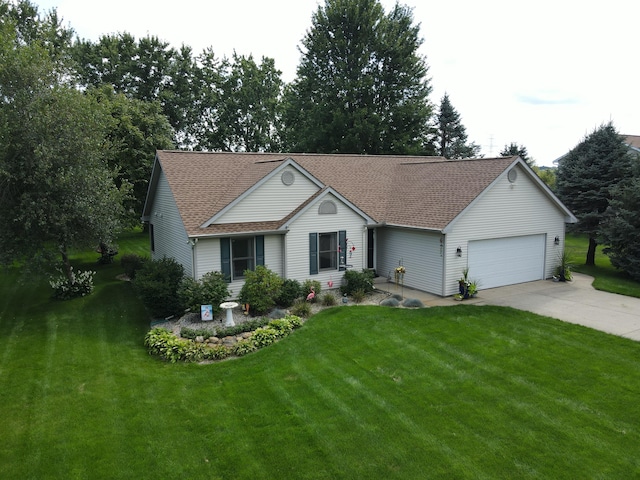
(542, 74)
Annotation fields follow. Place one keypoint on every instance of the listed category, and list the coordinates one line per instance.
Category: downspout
(443, 254)
(284, 255)
(194, 257)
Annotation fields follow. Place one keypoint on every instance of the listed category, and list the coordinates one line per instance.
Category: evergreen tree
(452, 135)
(620, 228)
(361, 86)
(514, 149)
(587, 176)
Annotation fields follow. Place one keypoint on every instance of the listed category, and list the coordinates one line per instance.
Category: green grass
(357, 392)
(606, 277)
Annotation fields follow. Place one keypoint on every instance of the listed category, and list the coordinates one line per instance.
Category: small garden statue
(399, 277)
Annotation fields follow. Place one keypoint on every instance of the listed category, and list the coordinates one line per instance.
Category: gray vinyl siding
(506, 210)
(208, 258)
(272, 200)
(297, 241)
(170, 236)
(418, 251)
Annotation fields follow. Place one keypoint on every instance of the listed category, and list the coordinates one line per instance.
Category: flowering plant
(467, 288)
(78, 285)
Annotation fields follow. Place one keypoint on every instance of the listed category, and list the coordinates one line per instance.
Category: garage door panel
(506, 261)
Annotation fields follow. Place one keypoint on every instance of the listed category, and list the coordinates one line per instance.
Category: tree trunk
(591, 252)
(66, 263)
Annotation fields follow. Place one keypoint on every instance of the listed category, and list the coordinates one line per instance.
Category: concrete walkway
(575, 302)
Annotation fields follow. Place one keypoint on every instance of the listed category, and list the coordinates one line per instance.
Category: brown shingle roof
(425, 192)
(632, 141)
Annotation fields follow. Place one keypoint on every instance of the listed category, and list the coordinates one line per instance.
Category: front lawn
(357, 392)
(606, 277)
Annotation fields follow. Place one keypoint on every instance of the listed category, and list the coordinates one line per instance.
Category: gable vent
(327, 207)
(288, 178)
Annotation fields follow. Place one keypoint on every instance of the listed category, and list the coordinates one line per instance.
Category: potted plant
(563, 269)
(466, 288)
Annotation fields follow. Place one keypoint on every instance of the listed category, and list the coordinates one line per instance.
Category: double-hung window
(242, 256)
(328, 251)
(239, 255)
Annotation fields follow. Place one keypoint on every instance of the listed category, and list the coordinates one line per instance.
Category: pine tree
(587, 176)
(452, 135)
(521, 151)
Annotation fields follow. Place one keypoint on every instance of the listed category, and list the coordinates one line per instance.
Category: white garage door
(506, 261)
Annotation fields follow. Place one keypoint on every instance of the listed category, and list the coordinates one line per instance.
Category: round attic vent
(288, 178)
(512, 175)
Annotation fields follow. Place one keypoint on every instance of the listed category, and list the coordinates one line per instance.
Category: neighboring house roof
(633, 142)
(420, 192)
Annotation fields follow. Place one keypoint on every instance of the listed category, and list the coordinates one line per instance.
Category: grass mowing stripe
(434, 444)
(585, 422)
(468, 362)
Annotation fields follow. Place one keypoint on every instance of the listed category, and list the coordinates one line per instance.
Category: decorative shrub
(163, 343)
(413, 303)
(260, 290)
(290, 291)
(243, 327)
(243, 347)
(192, 333)
(264, 336)
(215, 352)
(358, 296)
(212, 289)
(328, 300)
(131, 263)
(301, 308)
(311, 285)
(282, 325)
(354, 281)
(390, 302)
(79, 285)
(397, 296)
(157, 285)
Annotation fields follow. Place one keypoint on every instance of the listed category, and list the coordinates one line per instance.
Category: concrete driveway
(575, 302)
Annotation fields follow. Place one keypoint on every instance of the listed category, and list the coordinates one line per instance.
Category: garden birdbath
(229, 306)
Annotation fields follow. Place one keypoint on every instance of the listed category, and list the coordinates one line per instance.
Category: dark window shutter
(260, 250)
(225, 255)
(342, 244)
(313, 254)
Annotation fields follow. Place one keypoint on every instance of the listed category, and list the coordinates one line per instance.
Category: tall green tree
(137, 68)
(514, 149)
(361, 86)
(135, 130)
(249, 116)
(451, 133)
(56, 190)
(240, 103)
(587, 176)
(620, 228)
